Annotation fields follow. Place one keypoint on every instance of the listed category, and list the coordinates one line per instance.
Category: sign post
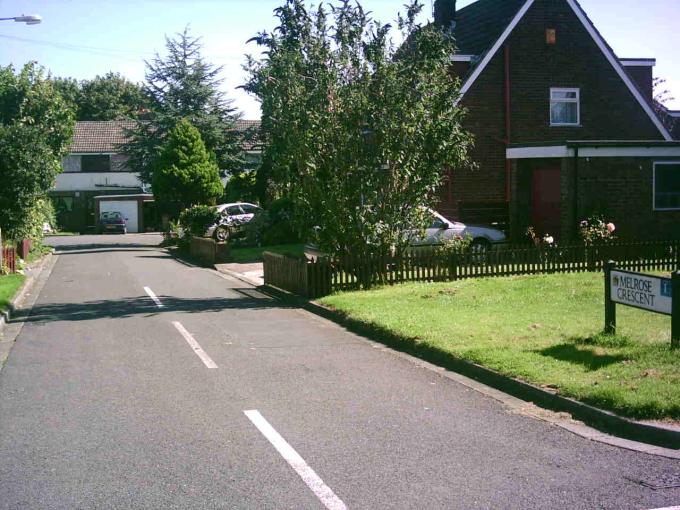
(609, 305)
(643, 291)
(675, 321)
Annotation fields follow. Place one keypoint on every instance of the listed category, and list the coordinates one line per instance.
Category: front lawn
(246, 255)
(9, 285)
(542, 329)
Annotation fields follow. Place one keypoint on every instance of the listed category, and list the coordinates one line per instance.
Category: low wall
(208, 251)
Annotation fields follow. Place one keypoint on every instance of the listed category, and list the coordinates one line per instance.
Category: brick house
(563, 127)
(96, 177)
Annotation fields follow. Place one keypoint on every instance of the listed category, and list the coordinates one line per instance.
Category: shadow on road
(143, 306)
(68, 249)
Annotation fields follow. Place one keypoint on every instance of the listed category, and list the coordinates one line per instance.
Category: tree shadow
(103, 247)
(248, 299)
(586, 357)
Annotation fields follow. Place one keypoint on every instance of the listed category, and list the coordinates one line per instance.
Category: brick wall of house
(609, 111)
(644, 78)
(622, 190)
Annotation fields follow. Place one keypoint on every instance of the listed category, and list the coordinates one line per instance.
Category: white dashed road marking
(311, 479)
(153, 297)
(207, 360)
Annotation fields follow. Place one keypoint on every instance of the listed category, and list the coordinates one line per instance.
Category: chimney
(445, 13)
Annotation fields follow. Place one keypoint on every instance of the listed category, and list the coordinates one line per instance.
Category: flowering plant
(546, 241)
(596, 230)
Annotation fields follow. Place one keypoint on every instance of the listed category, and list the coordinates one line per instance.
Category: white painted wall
(77, 181)
(128, 208)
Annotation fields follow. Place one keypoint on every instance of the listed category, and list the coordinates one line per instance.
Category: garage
(130, 206)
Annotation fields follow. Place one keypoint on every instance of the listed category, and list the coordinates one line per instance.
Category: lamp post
(30, 19)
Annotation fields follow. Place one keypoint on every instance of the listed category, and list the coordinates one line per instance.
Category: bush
(197, 219)
(595, 230)
(280, 228)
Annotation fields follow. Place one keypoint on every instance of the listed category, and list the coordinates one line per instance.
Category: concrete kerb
(597, 424)
(6, 315)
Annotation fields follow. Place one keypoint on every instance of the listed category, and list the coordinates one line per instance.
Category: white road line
(153, 297)
(669, 508)
(207, 360)
(320, 489)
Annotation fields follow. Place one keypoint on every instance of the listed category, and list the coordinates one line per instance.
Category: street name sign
(648, 292)
(644, 291)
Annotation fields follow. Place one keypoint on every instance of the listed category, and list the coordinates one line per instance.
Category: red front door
(546, 198)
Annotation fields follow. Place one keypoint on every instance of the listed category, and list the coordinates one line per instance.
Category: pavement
(252, 272)
(138, 381)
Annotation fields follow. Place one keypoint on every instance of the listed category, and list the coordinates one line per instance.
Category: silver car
(233, 219)
(442, 230)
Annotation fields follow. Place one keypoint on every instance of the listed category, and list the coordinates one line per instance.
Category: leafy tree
(186, 173)
(182, 85)
(36, 127)
(662, 96)
(357, 129)
(108, 97)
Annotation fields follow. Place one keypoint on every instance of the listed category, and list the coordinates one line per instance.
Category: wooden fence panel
(9, 259)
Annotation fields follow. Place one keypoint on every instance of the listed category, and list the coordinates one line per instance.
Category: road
(222, 397)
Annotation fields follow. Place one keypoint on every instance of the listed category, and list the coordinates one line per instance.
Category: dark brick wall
(622, 190)
(609, 111)
(643, 76)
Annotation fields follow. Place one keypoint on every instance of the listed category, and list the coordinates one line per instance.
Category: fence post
(675, 320)
(609, 305)
(0, 251)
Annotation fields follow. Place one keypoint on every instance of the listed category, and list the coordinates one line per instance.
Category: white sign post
(643, 291)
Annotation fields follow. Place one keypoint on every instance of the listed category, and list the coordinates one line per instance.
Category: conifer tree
(185, 171)
(182, 85)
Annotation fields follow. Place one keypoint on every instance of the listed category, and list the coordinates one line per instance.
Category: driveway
(139, 381)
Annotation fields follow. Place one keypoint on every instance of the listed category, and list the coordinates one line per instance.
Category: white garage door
(128, 208)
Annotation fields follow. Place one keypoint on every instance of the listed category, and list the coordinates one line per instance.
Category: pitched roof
(481, 23)
(100, 136)
(503, 17)
(251, 129)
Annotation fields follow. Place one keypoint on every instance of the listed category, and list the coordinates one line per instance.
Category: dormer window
(565, 107)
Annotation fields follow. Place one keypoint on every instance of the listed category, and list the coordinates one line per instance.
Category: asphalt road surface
(142, 382)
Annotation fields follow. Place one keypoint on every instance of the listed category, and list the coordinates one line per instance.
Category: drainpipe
(507, 122)
(576, 222)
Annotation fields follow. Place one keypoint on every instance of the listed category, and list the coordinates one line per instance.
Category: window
(565, 107)
(62, 204)
(234, 210)
(96, 163)
(667, 186)
(250, 209)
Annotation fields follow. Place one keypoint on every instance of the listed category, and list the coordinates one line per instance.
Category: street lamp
(30, 19)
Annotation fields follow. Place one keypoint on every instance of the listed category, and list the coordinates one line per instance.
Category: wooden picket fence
(313, 279)
(9, 258)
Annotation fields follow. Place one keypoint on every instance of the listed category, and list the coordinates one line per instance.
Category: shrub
(280, 228)
(197, 219)
(595, 230)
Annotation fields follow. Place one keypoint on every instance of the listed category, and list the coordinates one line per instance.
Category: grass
(9, 285)
(542, 329)
(246, 255)
(38, 251)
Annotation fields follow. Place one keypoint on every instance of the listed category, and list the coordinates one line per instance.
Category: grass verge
(545, 330)
(9, 285)
(248, 255)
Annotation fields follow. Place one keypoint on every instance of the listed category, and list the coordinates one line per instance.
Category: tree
(662, 96)
(357, 129)
(182, 85)
(108, 97)
(186, 173)
(36, 127)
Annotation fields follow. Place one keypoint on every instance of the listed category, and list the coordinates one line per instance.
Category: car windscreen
(234, 210)
(110, 216)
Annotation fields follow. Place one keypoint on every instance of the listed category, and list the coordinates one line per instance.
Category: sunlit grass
(542, 329)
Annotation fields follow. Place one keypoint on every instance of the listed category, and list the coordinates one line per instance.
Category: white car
(442, 230)
(233, 218)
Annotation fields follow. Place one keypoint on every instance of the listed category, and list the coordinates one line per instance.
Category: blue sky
(83, 38)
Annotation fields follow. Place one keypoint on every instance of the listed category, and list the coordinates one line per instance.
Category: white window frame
(655, 208)
(578, 106)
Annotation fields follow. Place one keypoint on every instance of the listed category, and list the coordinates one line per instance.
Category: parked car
(112, 222)
(441, 230)
(233, 219)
